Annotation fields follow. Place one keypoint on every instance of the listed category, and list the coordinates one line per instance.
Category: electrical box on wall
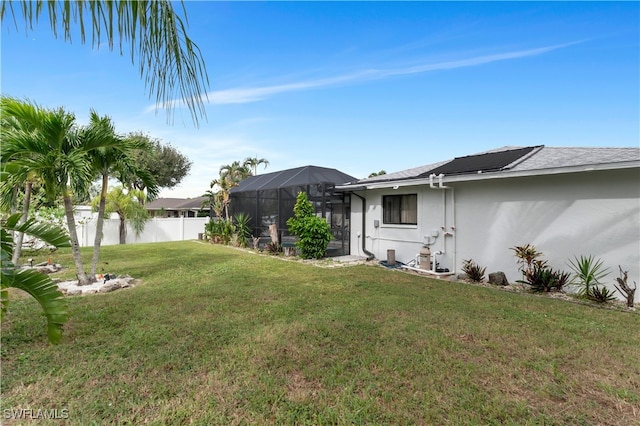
(376, 223)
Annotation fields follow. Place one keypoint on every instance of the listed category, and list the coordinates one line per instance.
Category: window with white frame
(400, 209)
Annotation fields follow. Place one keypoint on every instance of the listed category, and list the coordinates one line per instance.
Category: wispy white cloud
(243, 95)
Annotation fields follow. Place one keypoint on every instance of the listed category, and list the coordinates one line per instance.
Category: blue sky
(363, 86)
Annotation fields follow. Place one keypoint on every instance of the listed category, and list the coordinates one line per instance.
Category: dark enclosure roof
(300, 176)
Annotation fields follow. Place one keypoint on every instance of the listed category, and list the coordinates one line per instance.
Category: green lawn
(214, 335)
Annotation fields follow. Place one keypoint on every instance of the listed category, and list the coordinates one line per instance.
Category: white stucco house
(565, 201)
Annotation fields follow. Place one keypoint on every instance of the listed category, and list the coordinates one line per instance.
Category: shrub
(600, 294)
(312, 231)
(243, 231)
(473, 270)
(273, 248)
(528, 258)
(543, 279)
(219, 230)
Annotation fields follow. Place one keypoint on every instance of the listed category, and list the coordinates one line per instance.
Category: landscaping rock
(498, 278)
(106, 284)
(44, 267)
(111, 286)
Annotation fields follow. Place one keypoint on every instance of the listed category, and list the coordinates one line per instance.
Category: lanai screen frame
(275, 205)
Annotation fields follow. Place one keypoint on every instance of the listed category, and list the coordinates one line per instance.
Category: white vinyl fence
(156, 230)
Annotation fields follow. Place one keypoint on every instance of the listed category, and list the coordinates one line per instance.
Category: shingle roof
(517, 159)
(175, 203)
(557, 157)
(404, 174)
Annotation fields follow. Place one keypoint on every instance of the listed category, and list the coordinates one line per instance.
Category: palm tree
(128, 207)
(169, 61)
(10, 188)
(40, 286)
(108, 161)
(230, 176)
(210, 202)
(58, 153)
(253, 163)
(13, 127)
(234, 172)
(222, 196)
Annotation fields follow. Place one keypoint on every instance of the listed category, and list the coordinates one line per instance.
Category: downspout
(370, 256)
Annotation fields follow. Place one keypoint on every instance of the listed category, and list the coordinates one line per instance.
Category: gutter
(505, 174)
(370, 256)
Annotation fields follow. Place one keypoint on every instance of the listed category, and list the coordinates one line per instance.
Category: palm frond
(37, 284)
(170, 63)
(45, 291)
(43, 231)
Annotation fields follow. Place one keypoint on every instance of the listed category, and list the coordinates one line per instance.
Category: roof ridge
(534, 151)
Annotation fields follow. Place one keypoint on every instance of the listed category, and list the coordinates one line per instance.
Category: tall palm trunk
(75, 245)
(99, 227)
(17, 249)
(123, 229)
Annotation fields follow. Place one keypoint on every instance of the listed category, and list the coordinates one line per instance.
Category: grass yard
(215, 335)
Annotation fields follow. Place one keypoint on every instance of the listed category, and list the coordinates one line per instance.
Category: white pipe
(444, 220)
(445, 233)
(440, 176)
(397, 240)
(454, 230)
(437, 274)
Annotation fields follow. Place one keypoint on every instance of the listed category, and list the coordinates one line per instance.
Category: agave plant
(38, 285)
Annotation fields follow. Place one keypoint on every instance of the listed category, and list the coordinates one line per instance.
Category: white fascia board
(503, 175)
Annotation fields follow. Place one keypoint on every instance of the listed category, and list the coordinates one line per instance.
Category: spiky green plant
(601, 294)
(588, 272)
(243, 231)
(544, 279)
(474, 271)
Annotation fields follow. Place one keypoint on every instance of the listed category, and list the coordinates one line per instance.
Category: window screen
(400, 209)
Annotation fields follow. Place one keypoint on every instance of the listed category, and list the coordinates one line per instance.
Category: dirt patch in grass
(299, 388)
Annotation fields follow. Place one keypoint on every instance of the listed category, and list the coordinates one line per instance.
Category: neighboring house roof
(176, 203)
(511, 161)
(299, 176)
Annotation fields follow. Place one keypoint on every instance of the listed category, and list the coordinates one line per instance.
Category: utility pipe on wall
(446, 233)
(370, 255)
(453, 228)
